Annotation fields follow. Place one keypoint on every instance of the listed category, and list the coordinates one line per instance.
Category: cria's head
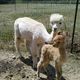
(59, 39)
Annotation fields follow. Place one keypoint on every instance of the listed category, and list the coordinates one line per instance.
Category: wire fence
(39, 1)
(39, 11)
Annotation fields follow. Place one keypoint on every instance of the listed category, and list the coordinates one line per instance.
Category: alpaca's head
(57, 22)
(59, 40)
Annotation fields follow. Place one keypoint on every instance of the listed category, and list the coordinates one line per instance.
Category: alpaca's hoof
(21, 57)
(35, 68)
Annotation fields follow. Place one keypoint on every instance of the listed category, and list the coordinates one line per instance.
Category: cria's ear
(65, 33)
(59, 32)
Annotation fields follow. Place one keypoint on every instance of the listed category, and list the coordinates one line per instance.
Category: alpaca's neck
(48, 37)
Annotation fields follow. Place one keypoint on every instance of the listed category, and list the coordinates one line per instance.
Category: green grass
(40, 12)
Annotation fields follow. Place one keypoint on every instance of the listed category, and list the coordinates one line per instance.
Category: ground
(15, 69)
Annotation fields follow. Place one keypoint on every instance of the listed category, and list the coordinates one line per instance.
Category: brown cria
(53, 52)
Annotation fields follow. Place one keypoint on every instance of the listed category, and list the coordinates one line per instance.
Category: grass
(40, 12)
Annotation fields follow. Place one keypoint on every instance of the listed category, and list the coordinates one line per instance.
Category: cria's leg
(38, 70)
(58, 66)
(39, 67)
(41, 64)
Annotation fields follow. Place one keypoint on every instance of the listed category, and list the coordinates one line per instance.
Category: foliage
(6, 1)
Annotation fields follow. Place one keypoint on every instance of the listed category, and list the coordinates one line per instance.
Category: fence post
(15, 5)
(74, 25)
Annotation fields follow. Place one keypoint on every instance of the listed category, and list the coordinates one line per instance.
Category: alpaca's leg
(28, 46)
(38, 50)
(58, 67)
(17, 46)
(34, 54)
(34, 58)
(39, 55)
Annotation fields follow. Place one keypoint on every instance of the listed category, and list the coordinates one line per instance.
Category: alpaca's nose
(55, 29)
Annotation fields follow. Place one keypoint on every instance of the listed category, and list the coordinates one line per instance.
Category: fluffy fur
(57, 21)
(35, 35)
(53, 52)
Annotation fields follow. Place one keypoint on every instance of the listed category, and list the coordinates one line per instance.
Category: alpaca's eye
(60, 23)
(52, 23)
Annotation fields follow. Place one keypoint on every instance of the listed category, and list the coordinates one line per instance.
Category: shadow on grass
(50, 78)
(27, 61)
(50, 70)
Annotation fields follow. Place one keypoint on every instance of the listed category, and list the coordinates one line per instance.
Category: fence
(39, 1)
(40, 11)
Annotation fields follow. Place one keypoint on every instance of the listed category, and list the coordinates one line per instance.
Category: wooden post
(15, 6)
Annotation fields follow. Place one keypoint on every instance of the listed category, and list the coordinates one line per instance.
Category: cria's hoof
(22, 59)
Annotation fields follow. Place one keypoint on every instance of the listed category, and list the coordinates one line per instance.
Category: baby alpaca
(55, 52)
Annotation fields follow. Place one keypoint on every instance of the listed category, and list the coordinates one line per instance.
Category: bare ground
(16, 69)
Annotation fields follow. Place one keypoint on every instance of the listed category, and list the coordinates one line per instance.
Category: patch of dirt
(16, 69)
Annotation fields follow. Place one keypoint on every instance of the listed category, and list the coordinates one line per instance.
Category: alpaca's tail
(16, 30)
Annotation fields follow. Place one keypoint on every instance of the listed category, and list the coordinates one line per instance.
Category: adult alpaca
(35, 35)
(57, 21)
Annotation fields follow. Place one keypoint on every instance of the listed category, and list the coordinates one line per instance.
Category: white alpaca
(57, 21)
(35, 35)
